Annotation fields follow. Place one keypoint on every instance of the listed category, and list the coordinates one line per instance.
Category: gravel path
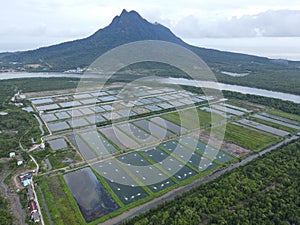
(15, 205)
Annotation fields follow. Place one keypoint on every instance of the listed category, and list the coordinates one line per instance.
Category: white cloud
(34, 22)
(279, 23)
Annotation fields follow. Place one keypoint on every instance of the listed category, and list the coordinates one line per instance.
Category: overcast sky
(34, 23)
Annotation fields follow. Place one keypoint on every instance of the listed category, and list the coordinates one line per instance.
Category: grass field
(61, 204)
(247, 138)
(63, 158)
(189, 122)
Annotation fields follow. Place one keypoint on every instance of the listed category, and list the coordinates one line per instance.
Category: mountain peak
(126, 16)
(124, 11)
(127, 27)
(130, 13)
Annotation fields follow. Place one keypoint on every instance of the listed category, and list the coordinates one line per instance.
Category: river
(234, 88)
(182, 81)
(7, 76)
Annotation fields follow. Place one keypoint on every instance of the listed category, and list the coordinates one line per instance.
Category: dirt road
(14, 201)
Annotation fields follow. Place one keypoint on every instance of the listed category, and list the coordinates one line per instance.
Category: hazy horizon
(270, 47)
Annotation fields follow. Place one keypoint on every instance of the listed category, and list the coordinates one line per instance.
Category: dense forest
(285, 106)
(266, 78)
(18, 125)
(265, 191)
(9, 87)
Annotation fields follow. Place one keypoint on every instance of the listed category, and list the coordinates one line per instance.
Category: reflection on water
(6, 76)
(91, 197)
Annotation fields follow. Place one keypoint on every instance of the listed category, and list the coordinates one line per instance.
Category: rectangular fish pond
(93, 200)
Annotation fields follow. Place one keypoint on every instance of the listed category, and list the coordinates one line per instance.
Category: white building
(12, 154)
(42, 145)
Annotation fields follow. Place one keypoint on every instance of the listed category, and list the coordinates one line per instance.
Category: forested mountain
(127, 27)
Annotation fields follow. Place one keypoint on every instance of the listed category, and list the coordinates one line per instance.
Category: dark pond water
(93, 200)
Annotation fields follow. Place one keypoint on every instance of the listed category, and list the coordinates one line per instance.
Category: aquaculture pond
(148, 174)
(86, 152)
(57, 144)
(118, 137)
(120, 182)
(91, 197)
(154, 129)
(58, 126)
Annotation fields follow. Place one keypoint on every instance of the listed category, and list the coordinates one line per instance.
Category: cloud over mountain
(272, 23)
